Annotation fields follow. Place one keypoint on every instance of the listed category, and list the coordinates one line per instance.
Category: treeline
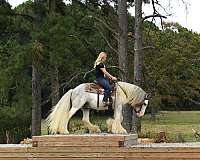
(65, 47)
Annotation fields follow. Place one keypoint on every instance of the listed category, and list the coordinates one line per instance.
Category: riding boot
(110, 100)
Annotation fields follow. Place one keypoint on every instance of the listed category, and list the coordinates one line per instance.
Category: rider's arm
(108, 74)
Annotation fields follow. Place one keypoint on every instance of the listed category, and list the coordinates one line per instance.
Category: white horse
(78, 98)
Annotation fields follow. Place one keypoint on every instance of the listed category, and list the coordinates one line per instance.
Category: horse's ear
(148, 96)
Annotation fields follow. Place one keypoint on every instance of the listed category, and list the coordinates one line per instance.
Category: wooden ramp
(98, 147)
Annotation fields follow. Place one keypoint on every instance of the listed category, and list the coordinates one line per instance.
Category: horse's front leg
(118, 118)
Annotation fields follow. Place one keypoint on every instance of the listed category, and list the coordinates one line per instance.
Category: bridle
(141, 104)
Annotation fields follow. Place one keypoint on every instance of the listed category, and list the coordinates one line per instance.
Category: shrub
(14, 124)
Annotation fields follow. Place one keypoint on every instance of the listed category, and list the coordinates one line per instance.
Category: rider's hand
(114, 78)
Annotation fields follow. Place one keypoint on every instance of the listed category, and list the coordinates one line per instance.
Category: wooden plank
(85, 140)
(86, 137)
(78, 144)
(159, 158)
(13, 149)
(14, 158)
(116, 155)
(17, 155)
(75, 158)
(112, 149)
(163, 155)
(9, 152)
(95, 147)
(139, 158)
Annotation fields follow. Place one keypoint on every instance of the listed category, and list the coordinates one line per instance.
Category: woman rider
(101, 75)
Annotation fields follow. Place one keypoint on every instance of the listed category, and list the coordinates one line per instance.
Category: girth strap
(98, 99)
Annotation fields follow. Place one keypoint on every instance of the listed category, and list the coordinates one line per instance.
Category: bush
(14, 124)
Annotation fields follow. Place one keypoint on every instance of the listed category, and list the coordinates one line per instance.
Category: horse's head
(141, 107)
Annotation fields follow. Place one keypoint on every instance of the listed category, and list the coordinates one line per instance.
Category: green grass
(176, 125)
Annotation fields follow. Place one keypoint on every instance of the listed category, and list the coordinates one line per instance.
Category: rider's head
(101, 58)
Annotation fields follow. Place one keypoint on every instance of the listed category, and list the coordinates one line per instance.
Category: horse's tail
(56, 120)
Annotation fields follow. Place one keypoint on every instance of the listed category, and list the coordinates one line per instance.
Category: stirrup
(107, 103)
(95, 81)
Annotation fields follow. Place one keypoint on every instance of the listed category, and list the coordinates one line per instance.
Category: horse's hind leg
(86, 120)
(75, 107)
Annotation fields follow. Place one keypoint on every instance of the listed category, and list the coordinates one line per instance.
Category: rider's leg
(86, 120)
(105, 84)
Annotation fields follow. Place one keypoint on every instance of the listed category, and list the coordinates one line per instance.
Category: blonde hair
(99, 59)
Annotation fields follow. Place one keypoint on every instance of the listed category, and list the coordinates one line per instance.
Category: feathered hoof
(109, 123)
(65, 132)
(94, 129)
(117, 128)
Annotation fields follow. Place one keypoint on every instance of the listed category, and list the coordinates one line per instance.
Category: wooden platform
(85, 140)
(97, 147)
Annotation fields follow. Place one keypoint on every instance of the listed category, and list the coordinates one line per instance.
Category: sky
(185, 14)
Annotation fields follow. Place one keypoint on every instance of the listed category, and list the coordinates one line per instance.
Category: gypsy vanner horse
(78, 98)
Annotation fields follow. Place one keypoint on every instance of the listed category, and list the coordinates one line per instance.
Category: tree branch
(147, 47)
(94, 15)
(194, 101)
(87, 43)
(63, 86)
(117, 68)
(86, 73)
(153, 16)
(196, 134)
(26, 16)
(104, 37)
(106, 25)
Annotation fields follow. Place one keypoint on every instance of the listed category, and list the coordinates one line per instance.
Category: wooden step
(13, 152)
(85, 140)
(97, 147)
(100, 153)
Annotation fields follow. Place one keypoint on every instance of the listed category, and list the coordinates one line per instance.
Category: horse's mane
(130, 93)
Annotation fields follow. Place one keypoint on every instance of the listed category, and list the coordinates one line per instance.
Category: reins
(115, 95)
(121, 88)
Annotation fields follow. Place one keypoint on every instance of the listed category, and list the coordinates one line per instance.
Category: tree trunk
(36, 84)
(123, 38)
(55, 96)
(123, 58)
(36, 100)
(7, 136)
(138, 55)
(136, 125)
(52, 6)
(153, 113)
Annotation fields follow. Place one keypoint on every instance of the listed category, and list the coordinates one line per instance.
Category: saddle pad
(96, 88)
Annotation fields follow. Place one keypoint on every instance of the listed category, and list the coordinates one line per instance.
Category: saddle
(96, 88)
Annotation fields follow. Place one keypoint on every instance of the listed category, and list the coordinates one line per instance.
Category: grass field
(177, 125)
